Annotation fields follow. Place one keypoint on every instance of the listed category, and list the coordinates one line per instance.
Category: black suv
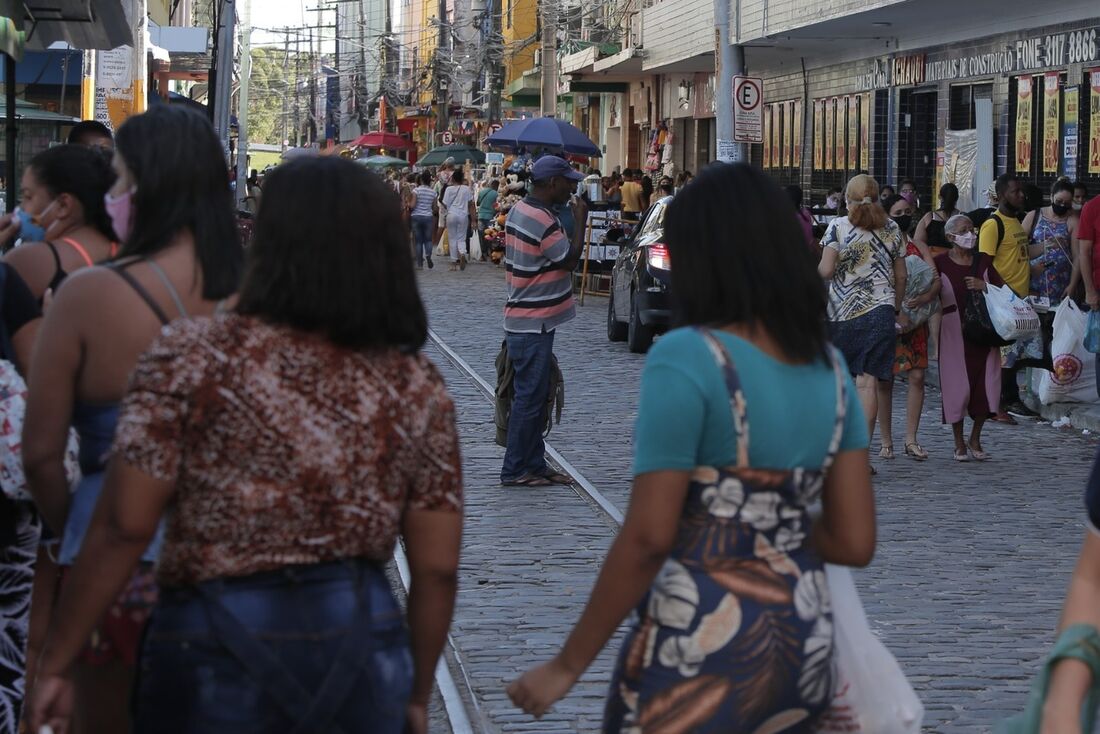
(639, 306)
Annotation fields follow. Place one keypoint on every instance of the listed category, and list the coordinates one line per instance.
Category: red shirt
(1088, 230)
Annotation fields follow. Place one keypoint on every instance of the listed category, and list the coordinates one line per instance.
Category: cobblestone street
(965, 588)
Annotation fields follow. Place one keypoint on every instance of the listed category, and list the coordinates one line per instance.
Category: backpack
(506, 391)
(980, 216)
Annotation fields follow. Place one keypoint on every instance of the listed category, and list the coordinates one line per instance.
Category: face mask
(1060, 209)
(909, 196)
(1078, 206)
(966, 240)
(28, 230)
(903, 222)
(120, 210)
(832, 203)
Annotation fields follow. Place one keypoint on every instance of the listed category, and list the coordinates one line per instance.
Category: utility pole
(311, 115)
(224, 82)
(442, 88)
(362, 89)
(493, 50)
(286, 91)
(242, 101)
(731, 63)
(549, 96)
(297, 91)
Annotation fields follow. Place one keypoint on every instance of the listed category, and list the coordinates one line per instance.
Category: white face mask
(1078, 206)
(966, 240)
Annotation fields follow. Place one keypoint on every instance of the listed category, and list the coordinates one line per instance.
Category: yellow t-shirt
(1009, 253)
(632, 196)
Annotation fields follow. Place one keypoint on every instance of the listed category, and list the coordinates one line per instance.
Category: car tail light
(658, 257)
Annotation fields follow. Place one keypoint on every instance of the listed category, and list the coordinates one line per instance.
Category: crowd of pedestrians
(255, 427)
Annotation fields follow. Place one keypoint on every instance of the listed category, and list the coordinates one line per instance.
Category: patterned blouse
(284, 448)
(864, 276)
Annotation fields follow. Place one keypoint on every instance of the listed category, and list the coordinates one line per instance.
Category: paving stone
(965, 588)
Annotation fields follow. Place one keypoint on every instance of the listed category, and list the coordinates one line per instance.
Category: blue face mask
(28, 230)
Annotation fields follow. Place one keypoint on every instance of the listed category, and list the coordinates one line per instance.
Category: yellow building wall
(159, 11)
(428, 40)
(523, 26)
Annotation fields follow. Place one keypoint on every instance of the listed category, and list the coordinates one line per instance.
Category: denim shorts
(303, 650)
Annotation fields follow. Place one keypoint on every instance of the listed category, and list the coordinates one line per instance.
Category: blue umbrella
(544, 132)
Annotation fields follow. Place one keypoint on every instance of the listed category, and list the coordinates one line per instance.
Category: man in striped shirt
(539, 259)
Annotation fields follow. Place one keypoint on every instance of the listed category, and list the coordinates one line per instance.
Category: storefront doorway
(917, 141)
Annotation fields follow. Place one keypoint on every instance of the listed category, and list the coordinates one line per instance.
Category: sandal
(558, 478)
(886, 452)
(916, 451)
(1005, 418)
(528, 480)
(961, 455)
(977, 454)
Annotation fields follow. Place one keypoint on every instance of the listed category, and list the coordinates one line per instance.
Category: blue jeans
(422, 236)
(530, 355)
(302, 649)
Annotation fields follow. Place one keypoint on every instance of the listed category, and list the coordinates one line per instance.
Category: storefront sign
(1039, 52)
(767, 137)
(1051, 110)
(1094, 122)
(775, 136)
(830, 139)
(1023, 124)
(799, 124)
(865, 133)
(853, 131)
(1069, 133)
(819, 135)
(788, 124)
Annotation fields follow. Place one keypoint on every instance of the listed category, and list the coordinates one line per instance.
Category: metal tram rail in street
(457, 701)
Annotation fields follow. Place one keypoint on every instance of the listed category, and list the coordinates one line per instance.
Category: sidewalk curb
(1081, 416)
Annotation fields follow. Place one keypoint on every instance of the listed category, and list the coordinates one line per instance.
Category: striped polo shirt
(540, 293)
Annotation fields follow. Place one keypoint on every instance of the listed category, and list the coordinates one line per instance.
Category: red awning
(382, 140)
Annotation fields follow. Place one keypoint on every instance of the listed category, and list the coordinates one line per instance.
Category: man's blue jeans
(530, 355)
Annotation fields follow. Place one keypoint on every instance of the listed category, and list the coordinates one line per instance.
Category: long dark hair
(81, 172)
(182, 185)
(330, 255)
(739, 256)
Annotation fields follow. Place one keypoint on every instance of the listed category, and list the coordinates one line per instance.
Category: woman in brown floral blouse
(287, 444)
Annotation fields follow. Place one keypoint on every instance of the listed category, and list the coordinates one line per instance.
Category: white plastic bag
(1012, 316)
(1074, 377)
(870, 692)
(475, 246)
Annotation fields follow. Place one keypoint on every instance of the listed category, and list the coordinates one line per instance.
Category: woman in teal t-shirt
(747, 418)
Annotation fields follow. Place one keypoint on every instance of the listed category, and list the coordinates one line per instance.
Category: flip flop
(978, 455)
(529, 480)
(916, 451)
(961, 456)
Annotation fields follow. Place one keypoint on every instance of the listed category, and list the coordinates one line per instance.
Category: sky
(279, 14)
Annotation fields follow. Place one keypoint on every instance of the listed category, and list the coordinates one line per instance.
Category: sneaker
(1017, 408)
(430, 263)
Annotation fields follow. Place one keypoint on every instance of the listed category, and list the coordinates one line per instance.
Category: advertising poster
(1069, 133)
(1094, 122)
(841, 130)
(819, 135)
(777, 135)
(1051, 122)
(788, 126)
(1024, 99)
(853, 131)
(767, 137)
(865, 133)
(830, 137)
(799, 124)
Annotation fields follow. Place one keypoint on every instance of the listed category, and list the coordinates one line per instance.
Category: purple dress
(970, 375)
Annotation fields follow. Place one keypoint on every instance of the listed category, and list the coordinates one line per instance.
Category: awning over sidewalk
(83, 24)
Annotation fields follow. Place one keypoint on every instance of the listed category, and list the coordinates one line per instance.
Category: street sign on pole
(748, 109)
(447, 137)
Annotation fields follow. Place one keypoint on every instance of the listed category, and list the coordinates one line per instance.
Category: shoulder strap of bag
(841, 410)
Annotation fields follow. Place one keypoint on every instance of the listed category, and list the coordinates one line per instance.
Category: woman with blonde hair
(863, 261)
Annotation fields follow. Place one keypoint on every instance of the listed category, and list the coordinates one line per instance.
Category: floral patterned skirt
(912, 350)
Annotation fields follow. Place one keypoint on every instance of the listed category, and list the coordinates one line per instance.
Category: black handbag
(977, 327)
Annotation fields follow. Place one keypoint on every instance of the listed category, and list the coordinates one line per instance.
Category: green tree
(268, 85)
